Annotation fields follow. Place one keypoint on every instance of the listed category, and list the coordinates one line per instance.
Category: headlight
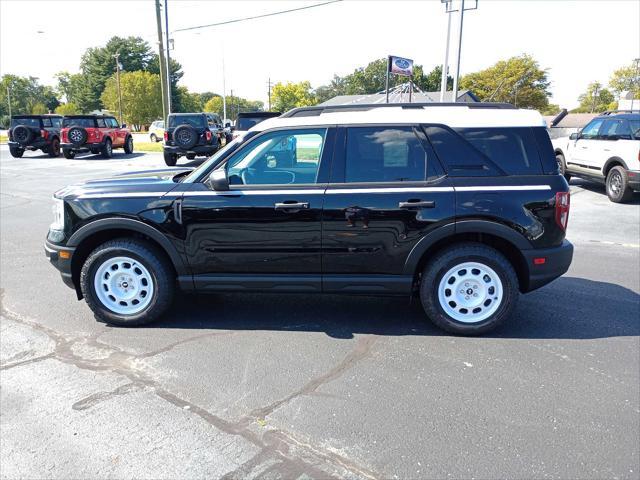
(58, 215)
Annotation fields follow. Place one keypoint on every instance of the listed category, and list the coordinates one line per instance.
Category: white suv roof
(454, 115)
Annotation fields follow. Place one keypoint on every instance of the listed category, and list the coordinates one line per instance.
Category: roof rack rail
(613, 112)
(320, 109)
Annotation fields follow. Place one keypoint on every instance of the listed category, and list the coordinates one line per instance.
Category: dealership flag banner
(400, 66)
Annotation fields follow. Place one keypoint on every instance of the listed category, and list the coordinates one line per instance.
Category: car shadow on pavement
(569, 308)
(600, 189)
(98, 157)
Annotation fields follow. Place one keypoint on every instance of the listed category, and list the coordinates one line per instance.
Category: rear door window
(384, 154)
(101, 123)
(57, 122)
(46, 122)
(615, 128)
(514, 150)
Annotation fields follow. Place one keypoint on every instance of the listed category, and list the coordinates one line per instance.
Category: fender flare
(134, 225)
(613, 160)
(462, 226)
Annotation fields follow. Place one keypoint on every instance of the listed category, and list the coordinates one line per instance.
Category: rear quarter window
(87, 122)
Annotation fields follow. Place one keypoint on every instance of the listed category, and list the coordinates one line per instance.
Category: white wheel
(470, 292)
(123, 285)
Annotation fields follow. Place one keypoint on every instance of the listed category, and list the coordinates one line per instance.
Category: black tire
(22, 134)
(153, 137)
(162, 274)
(562, 166)
(190, 156)
(54, 148)
(107, 149)
(16, 152)
(170, 159)
(77, 136)
(447, 260)
(128, 145)
(68, 154)
(617, 185)
(185, 136)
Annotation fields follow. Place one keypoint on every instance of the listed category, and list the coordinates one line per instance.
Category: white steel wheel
(123, 285)
(470, 292)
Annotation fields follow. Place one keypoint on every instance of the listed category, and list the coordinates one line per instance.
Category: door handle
(417, 204)
(291, 205)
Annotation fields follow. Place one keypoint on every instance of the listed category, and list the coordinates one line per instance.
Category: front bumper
(556, 262)
(197, 150)
(36, 145)
(634, 180)
(87, 147)
(60, 257)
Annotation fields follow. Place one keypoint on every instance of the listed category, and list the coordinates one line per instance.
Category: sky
(578, 41)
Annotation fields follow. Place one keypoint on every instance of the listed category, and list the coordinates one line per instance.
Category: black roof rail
(316, 110)
(613, 112)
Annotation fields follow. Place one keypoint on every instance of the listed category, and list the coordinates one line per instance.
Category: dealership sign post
(399, 66)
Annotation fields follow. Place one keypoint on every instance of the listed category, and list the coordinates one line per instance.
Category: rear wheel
(54, 148)
(107, 149)
(469, 289)
(153, 137)
(617, 185)
(170, 159)
(16, 152)
(68, 154)
(562, 167)
(127, 282)
(128, 145)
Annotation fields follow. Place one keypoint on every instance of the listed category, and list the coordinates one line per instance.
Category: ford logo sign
(402, 63)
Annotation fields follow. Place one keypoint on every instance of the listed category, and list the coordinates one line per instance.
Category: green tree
(625, 79)
(595, 99)
(27, 95)
(39, 109)
(187, 101)
(290, 95)
(176, 74)
(518, 80)
(141, 99)
(68, 109)
(552, 109)
(234, 106)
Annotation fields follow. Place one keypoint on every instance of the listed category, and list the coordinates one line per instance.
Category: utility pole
(163, 65)
(454, 96)
(9, 99)
(117, 57)
(269, 93)
(166, 30)
(636, 82)
(224, 93)
(445, 63)
(596, 88)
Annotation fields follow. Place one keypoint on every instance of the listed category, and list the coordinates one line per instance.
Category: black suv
(190, 135)
(459, 204)
(35, 132)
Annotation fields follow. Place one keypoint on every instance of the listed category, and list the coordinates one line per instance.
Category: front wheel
(170, 159)
(469, 289)
(127, 282)
(68, 154)
(16, 152)
(617, 185)
(128, 146)
(153, 137)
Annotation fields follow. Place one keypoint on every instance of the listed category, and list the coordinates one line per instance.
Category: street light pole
(9, 99)
(445, 63)
(117, 57)
(635, 82)
(454, 96)
(163, 65)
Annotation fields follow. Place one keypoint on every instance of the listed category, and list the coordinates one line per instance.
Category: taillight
(166, 136)
(207, 135)
(44, 133)
(563, 204)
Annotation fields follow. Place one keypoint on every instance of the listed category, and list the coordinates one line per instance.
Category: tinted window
(514, 150)
(197, 121)
(615, 128)
(279, 158)
(79, 122)
(245, 123)
(29, 122)
(459, 157)
(384, 154)
(590, 131)
(101, 123)
(46, 122)
(634, 125)
(113, 122)
(57, 122)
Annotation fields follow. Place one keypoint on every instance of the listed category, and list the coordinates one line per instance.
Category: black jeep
(190, 135)
(35, 132)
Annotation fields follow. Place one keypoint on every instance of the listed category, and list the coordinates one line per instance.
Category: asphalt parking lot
(257, 386)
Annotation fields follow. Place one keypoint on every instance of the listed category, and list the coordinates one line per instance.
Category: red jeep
(95, 134)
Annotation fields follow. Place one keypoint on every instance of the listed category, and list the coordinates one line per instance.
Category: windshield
(78, 122)
(29, 122)
(217, 157)
(197, 121)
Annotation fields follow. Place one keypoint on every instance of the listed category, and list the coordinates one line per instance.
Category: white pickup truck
(606, 150)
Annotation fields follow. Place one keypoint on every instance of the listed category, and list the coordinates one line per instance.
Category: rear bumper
(197, 150)
(556, 262)
(87, 147)
(37, 145)
(634, 180)
(61, 263)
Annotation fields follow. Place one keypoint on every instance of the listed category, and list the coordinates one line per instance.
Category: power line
(256, 16)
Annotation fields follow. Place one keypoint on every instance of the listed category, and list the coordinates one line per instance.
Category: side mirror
(124, 125)
(227, 125)
(574, 136)
(218, 180)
